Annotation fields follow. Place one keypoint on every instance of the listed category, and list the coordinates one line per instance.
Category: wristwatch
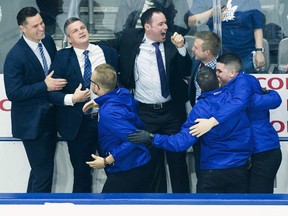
(260, 50)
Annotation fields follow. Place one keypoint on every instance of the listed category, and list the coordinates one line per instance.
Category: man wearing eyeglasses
(75, 64)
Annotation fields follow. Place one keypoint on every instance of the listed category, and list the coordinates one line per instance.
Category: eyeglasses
(94, 83)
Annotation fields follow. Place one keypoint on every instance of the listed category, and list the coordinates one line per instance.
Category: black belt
(91, 116)
(156, 105)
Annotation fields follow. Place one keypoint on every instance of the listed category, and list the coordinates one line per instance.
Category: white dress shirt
(96, 57)
(34, 46)
(147, 79)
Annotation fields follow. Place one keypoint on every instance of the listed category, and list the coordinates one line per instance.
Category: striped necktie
(44, 61)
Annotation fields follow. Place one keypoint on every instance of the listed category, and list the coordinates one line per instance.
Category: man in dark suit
(78, 128)
(206, 48)
(161, 114)
(27, 85)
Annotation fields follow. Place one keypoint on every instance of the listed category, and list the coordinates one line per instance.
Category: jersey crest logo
(230, 11)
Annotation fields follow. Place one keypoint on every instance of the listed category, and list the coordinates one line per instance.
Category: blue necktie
(161, 69)
(45, 65)
(87, 70)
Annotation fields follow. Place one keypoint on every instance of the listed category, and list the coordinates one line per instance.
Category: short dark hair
(70, 21)
(207, 79)
(232, 60)
(147, 15)
(24, 13)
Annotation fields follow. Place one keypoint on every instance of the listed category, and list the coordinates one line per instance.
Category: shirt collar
(79, 52)
(211, 64)
(147, 40)
(33, 45)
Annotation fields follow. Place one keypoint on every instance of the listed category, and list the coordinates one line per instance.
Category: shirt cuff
(182, 51)
(68, 100)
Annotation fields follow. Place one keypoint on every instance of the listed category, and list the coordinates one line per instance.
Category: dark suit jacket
(177, 66)
(192, 87)
(65, 65)
(26, 89)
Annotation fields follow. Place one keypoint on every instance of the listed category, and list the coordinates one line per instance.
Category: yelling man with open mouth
(153, 63)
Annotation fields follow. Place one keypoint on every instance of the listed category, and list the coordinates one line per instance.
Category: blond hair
(105, 76)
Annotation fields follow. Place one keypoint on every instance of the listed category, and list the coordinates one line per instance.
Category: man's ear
(147, 27)
(233, 73)
(95, 89)
(208, 52)
(21, 28)
(68, 38)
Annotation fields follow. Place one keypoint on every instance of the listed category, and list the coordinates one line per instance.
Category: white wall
(14, 171)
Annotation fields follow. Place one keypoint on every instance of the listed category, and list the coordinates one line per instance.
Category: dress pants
(40, 153)
(130, 181)
(263, 171)
(230, 180)
(166, 119)
(80, 150)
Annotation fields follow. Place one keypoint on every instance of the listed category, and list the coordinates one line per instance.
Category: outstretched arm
(143, 137)
(202, 126)
(199, 19)
(239, 101)
(269, 100)
(176, 143)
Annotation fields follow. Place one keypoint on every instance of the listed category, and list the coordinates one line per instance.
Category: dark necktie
(201, 65)
(44, 61)
(161, 69)
(87, 70)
